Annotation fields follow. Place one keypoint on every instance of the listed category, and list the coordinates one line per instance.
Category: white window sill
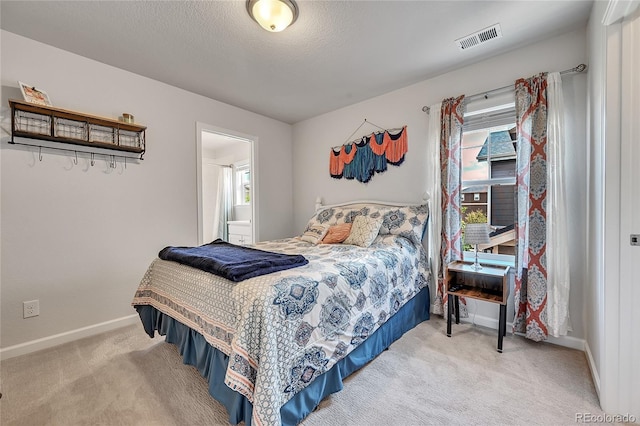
(490, 258)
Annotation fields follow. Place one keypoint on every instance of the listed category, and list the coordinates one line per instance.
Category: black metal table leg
(457, 306)
(449, 313)
(502, 326)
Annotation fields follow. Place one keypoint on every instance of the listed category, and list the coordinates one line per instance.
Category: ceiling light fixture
(273, 15)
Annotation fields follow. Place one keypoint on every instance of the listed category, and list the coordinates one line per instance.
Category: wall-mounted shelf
(70, 127)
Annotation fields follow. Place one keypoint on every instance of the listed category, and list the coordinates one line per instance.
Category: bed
(273, 346)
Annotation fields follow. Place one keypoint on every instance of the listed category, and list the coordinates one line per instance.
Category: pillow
(345, 214)
(314, 233)
(337, 233)
(364, 231)
(408, 221)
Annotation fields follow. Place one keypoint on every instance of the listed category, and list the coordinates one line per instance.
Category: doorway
(226, 185)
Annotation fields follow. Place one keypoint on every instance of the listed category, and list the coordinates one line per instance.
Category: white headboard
(426, 197)
(320, 206)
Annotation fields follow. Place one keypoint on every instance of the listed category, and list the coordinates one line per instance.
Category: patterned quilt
(283, 330)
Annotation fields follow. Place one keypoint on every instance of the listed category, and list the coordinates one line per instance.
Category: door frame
(253, 143)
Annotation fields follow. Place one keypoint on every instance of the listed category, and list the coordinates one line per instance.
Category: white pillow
(364, 230)
(314, 233)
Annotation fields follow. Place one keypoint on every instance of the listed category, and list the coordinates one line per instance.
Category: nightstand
(489, 284)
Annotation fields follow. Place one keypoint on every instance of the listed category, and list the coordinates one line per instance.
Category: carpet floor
(123, 377)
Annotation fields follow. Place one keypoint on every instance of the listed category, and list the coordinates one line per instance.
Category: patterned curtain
(451, 120)
(531, 223)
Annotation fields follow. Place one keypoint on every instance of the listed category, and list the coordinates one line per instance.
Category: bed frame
(321, 206)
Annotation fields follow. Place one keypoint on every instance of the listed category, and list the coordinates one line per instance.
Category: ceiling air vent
(479, 37)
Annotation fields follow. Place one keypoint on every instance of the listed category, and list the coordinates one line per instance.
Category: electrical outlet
(30, 309)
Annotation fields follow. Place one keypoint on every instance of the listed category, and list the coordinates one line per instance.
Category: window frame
(498, 118)
(240, 168)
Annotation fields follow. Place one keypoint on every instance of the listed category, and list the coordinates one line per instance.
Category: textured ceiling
(336, 53)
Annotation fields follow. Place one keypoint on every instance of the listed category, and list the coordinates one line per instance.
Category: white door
(629, 368)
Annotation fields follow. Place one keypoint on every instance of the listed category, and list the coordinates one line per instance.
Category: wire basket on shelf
(32, 123)
(101, 134)
(130, 139)
(69, 129)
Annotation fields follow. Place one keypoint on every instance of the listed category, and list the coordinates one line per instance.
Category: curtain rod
(579, 68)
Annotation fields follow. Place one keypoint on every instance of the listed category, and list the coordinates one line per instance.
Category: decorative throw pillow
(408, 221)
(364, 231)
(314, 233)
(323, 217)
(346, 214)
(337, 233)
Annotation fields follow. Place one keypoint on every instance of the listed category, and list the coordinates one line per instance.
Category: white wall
(79, 238)
(313, 139)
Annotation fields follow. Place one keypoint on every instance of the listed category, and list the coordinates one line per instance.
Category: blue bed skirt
(212, 363)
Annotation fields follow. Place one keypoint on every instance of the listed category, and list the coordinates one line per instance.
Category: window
(489, 175)
(242, 184)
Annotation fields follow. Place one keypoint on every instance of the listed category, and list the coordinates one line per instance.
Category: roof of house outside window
(475, 188)
(502, 147)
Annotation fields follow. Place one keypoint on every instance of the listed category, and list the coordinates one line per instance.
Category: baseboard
(592, 367)
(68, 336)
(566, 341)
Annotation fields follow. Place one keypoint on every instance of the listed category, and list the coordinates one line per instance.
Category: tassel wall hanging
(370, 154)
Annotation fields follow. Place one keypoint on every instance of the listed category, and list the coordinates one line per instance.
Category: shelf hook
(92, 160)
(40, 153)
(75, 161)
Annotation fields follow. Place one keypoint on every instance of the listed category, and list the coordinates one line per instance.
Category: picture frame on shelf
(33, 95)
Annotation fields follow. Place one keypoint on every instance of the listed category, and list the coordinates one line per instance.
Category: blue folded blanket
(235, 263)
